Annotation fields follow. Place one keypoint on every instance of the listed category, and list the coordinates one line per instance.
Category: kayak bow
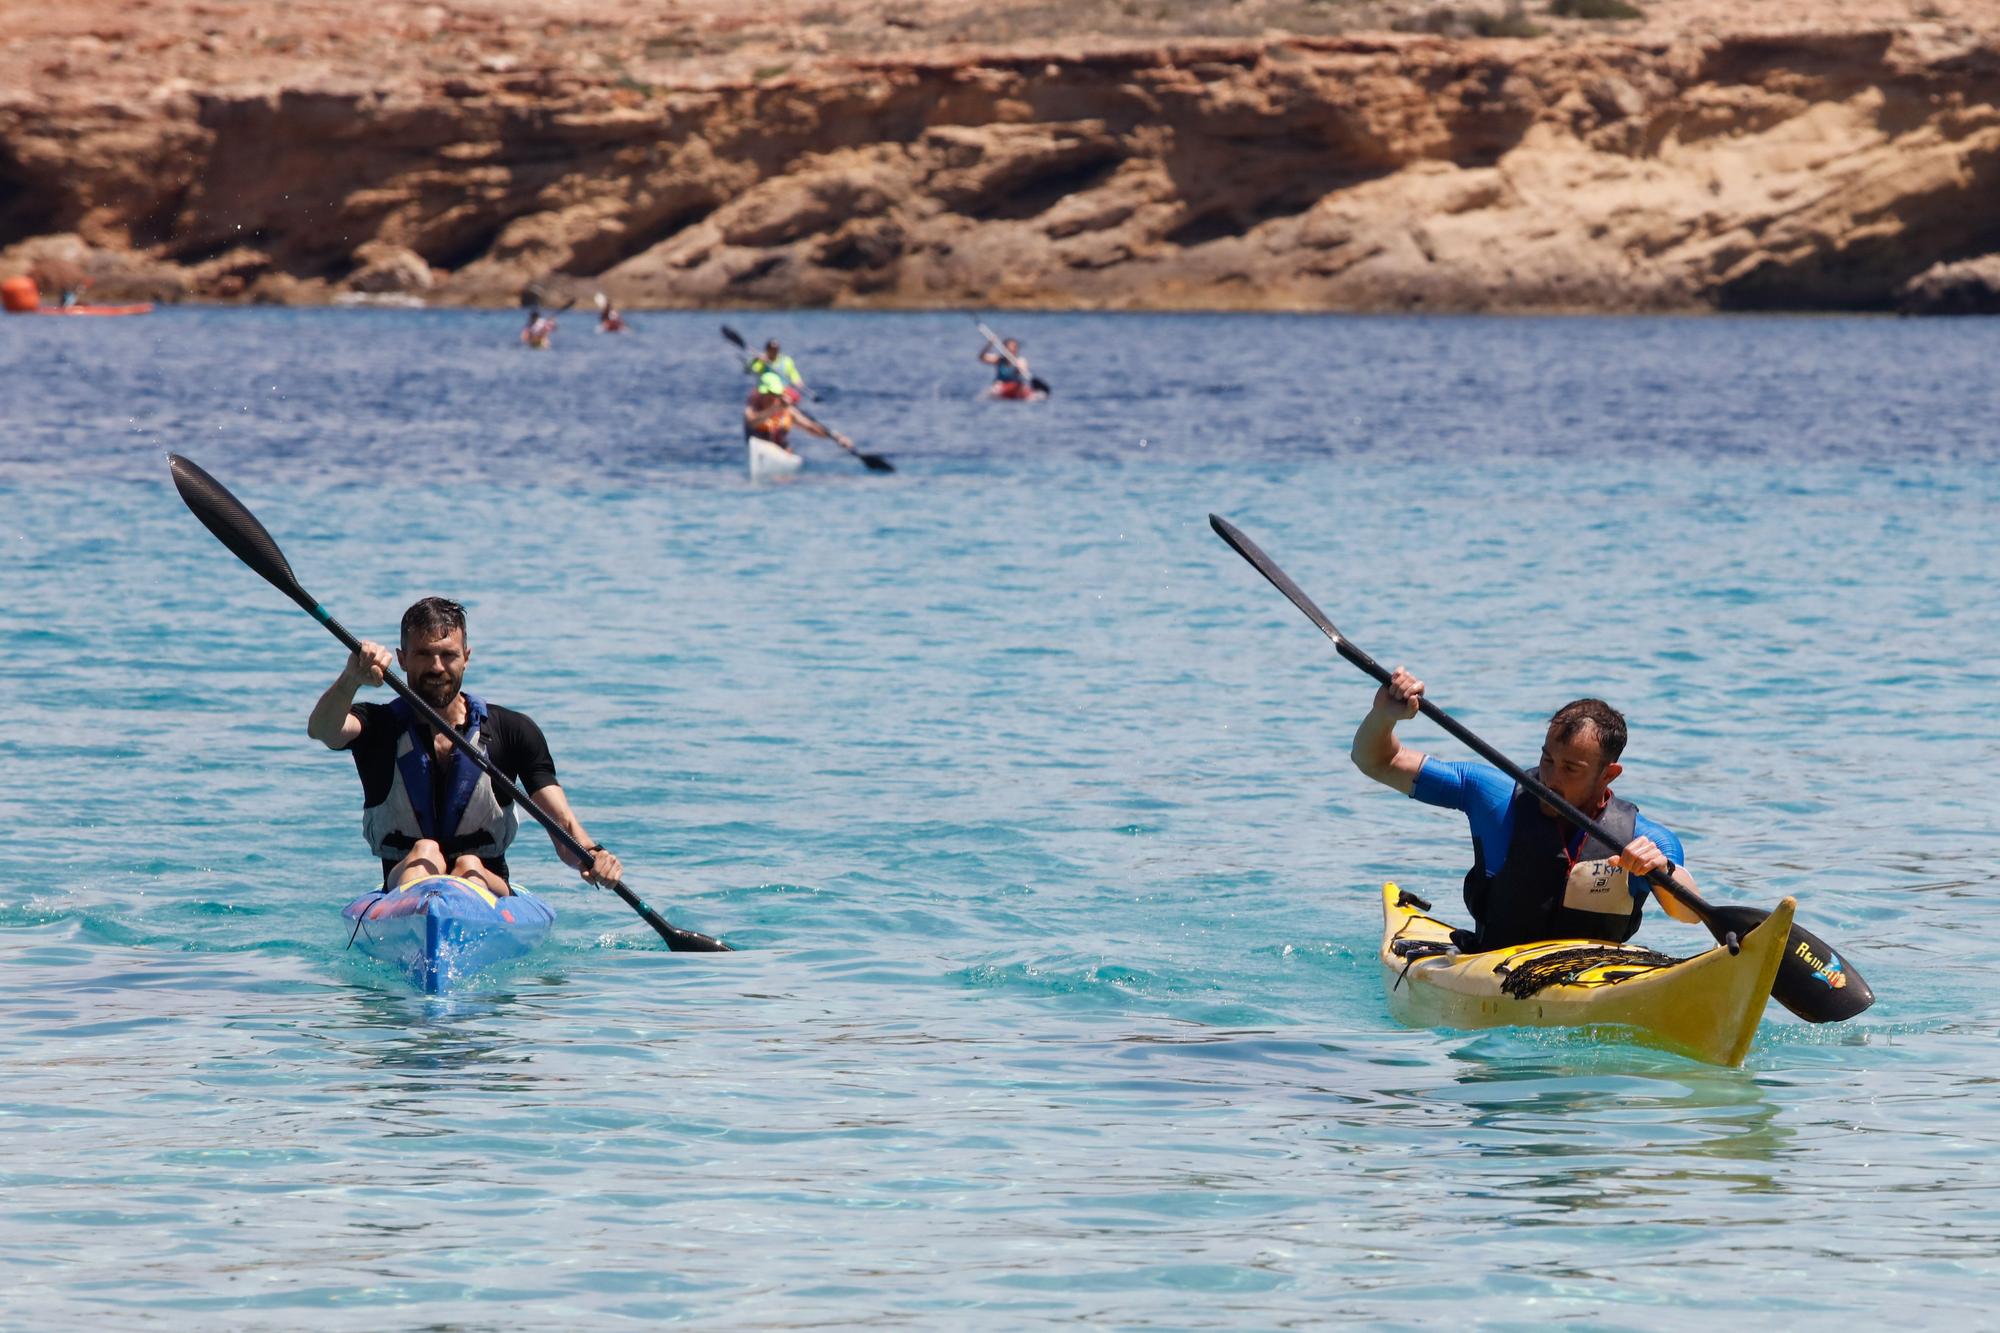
(769, 462)
(442, 931)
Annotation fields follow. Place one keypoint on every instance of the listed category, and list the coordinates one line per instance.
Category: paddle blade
(236, 527)
(1813, 980)
(1040, 386)
(875, 462)
(1282, 581)
(733, 336)
(681, 940)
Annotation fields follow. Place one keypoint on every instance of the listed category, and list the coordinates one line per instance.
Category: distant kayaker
(609, 320)
(538, 330)
(425, 810)
(775, 362)
(1533, 876)
(770, 413)
(1010, 369)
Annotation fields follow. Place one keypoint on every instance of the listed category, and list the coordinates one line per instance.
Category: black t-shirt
(513, 742)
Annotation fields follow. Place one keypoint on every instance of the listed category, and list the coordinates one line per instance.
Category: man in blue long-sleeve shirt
(1534, 876)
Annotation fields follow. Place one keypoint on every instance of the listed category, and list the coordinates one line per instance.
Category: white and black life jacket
(473, 819)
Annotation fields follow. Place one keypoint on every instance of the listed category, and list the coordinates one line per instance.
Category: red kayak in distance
(1014, 391)
(142, 308)
(22, 295)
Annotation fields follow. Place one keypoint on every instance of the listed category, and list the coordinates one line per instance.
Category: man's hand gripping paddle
(1813, 980)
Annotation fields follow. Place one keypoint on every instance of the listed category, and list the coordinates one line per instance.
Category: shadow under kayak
(442, 931)
(1706, 1007)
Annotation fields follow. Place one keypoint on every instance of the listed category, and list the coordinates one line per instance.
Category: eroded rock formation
(1809, 169)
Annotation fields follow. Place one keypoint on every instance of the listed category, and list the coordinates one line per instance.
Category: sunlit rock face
(462, 157)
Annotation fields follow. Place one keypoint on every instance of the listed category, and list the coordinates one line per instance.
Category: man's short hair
(1600, 717)
(432, 618)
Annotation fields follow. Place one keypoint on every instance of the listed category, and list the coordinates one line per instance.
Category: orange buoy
(20, 296)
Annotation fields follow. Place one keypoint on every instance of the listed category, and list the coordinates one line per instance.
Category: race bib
(1599, 886)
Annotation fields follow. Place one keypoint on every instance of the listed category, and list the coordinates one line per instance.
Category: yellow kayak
(1705, 1007)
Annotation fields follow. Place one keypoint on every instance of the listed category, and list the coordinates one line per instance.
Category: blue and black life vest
(1550, 888)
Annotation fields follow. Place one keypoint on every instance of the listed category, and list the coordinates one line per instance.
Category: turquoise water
(1026, 803)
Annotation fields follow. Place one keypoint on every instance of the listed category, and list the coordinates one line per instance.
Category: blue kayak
(443, 931)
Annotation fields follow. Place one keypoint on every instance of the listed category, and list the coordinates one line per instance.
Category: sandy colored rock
(1971, 287)
(385, 267)
(1257, 155)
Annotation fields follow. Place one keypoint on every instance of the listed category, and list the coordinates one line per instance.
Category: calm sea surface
(1026, 803)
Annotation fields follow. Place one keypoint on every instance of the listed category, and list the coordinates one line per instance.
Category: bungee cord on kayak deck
(1527, 973)
(1571, 966)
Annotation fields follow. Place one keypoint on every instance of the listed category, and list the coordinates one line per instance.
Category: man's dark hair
(1600, 717)
(435, 617)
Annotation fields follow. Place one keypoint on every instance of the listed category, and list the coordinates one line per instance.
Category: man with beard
(425, 809)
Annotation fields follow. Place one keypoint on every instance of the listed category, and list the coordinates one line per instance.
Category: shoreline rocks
(1837, 170)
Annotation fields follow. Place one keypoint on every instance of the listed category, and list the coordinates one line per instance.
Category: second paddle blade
(1813, 980)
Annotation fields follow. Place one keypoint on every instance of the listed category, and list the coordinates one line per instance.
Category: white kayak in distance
(770, 462)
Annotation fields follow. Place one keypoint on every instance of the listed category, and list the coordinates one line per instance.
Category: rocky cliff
(1582, 168)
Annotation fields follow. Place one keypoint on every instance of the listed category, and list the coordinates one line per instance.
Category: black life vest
(473, 818)
(1543, 892)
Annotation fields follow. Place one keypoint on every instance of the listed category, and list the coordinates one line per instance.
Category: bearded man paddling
(427, 810)
(1534, 876)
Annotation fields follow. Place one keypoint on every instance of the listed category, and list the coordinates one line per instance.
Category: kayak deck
(1706, 1007)
(441, 931)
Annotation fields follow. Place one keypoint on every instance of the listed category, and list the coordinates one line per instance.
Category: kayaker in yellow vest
(426, 810)
(770, 413)
(775, 362)
(1534, 877)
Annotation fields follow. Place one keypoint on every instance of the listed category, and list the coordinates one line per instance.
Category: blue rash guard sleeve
(1485, 796)
(1662, 837)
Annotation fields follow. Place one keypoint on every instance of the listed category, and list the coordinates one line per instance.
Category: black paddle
(1813, 980)
(1035, 382)
(238, 529)
(873, 462)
